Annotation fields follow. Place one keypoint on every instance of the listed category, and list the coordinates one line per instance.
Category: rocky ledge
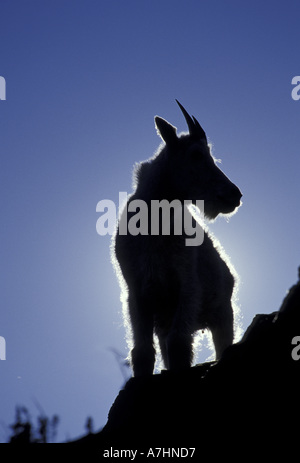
(247, 401)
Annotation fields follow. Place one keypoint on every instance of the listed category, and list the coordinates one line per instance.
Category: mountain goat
(174, 288)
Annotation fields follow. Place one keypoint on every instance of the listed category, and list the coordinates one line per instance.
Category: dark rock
(249, 398)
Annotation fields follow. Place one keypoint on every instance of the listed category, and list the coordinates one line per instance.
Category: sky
(84, 80)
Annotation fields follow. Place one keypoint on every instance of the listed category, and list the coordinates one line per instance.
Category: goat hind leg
(222, 330)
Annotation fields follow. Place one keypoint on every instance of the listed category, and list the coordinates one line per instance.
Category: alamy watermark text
(160, 217)
(2, 348)
(2, 88)
(296, 89)
(296, 350)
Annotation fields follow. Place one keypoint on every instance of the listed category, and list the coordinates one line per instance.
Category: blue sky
(84, 80)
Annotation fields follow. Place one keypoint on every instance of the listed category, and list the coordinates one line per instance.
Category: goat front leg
(179, 349)
(179, 341)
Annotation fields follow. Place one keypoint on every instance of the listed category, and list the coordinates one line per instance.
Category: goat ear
(165, 130)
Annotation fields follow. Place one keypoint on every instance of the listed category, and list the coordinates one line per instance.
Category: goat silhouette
(169, 288)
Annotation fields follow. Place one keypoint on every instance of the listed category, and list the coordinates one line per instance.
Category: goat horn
(187, 117)
(193, 125)
(200, 131)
